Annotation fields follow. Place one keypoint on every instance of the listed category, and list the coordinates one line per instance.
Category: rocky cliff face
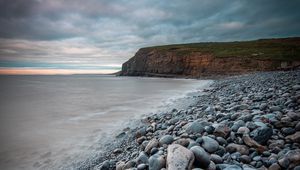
(154, 62)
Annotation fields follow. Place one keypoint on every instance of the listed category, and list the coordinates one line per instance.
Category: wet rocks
(179, 157)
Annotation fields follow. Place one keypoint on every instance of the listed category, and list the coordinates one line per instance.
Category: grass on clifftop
(275, 49)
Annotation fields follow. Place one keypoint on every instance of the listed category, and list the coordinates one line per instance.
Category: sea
(58, 121)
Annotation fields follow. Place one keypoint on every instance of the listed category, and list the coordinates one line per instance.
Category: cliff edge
(214, 58)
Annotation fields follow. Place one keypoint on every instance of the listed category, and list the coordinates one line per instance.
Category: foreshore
(241, 122)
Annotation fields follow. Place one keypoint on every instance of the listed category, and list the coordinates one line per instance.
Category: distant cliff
(216, 58)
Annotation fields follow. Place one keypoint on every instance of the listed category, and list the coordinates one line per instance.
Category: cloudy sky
(91, 36)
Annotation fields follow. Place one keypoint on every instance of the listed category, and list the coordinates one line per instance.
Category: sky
(97, 36)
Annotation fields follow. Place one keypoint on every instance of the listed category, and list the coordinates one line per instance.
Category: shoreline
(224, 128)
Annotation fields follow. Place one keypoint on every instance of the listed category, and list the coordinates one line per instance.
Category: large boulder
(179, 157)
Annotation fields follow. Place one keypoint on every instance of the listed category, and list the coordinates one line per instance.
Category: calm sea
(49, 122)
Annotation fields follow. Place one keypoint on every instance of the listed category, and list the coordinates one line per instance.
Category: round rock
(179, 157)
(202, 158)
(167, 139)
(209, 144)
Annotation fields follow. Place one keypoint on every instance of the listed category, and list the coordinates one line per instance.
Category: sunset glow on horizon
(45, 71)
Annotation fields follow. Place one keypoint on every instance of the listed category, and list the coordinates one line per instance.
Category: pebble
(245, 122)
(194, 128)
(262, 134)
(167, 139)
(179, 157)
(209, 144)
(156, 162)
(153, 143)
(202, 158)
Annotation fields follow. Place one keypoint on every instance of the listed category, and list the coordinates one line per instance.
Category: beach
(242, 122)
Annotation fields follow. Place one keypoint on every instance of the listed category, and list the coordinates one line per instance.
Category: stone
(262, 134)
(263, 106)
(140, 132)
(209, 129)
(179, 157)
(243, 130)
(192, 143)
(290, 159)
(276, 144)
(156, 162)
(142, 158)
(202, 158)
(288, 131)
(129, 164)
(295, 137)
(275, 108)
(222, 130)
(117, 151)
(232, 167)
(194, 127)
(237, 125)
(296, 87)
(167, 139)
(120, 165)
(274, 166)
(142, 167)
(140, 140)
(297, 127)
(293, 115)
(242, 149)
(105, 165)
(245, 159)
(209, 144)
(183, 142)
(216, 159)
(297, 168)
(221, 141)
(211, 166)
(252, 143)
(152, 143)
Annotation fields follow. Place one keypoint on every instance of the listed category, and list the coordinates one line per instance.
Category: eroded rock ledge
(211, 59)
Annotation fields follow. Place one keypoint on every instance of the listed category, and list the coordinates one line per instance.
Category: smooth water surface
(47, 121)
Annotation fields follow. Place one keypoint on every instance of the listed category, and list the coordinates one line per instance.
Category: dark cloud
(113, 29)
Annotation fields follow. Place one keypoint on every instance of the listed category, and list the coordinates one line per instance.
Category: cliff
(216, 58)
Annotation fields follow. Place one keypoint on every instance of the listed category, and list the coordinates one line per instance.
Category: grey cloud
(115, 29)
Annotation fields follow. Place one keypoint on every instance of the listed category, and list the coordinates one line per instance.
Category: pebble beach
(242, 122)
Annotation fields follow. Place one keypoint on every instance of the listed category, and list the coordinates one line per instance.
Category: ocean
(56, 121)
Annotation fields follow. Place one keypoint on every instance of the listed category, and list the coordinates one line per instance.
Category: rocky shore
(243, 122)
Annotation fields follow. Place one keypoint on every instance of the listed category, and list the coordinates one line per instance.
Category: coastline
(229, 115)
